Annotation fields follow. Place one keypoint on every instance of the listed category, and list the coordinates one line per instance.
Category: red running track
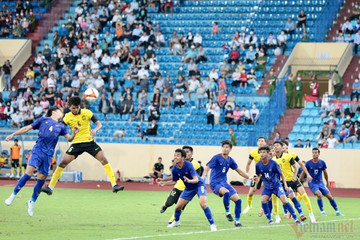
(140, 186)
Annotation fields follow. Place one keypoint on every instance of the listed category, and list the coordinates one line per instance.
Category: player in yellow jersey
(83, 142)
(299, 187)
(254, 156)
(179, 186)
(288, 167)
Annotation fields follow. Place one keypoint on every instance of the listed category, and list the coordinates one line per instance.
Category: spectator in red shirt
(169, 6)
(243, 79)
(222, 99)
(234, 55)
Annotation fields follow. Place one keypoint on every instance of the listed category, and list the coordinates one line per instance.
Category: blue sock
(285, 210)
(22, 181)
(291, 210)
(177, 215)
(321, 204)
(334, 205)
(265, 207)
(208, 215)
(226, 200)
(237, 210)
(270, 206)
(37, 189)
(297, 205)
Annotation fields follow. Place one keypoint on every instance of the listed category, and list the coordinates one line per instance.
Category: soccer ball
(91, 94)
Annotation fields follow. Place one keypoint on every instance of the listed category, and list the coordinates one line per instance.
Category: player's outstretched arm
(247, 168)
(326, 176)
(241, 173)
(305, 170)
(71, 137)
(169, 183)
(206, 170)
(19, 132)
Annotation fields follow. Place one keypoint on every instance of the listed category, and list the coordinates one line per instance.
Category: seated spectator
(254, 113)
(193, 85)
(191, 67)
(234, 55)
(304, 36)
(17, 119)
(299, 144)
(119, 133)
(339, 108)
(301, 20)
(243, 79)
(104, 105)
(165, 98)
(343, 133)
(354, 135)
(222, 99)
(214, 88)
(156, 97)
(197, 40)
(196, 73)
(128, 106)
(201, 55)
(282, 41)
(160, 40)
(340, 37)
(251, 39)
(139, 114)
(3, 159)
(347, 27)
(28, 118)
(158, 169)
(351, 111)
(261, 62)
(173, 39)
(308, 144)
(348, 122)
(152, 130)
(290, 27)
(355, 89)
(237, 115)
(236, 78)
(215, 29)
(179, 99)
(224, 69)
(168, 6)
(251, 79)
(271, 41)
(214, 74)
(180, 85)
(190, 54)
(142, 98)
(229, 115)
(245, 115)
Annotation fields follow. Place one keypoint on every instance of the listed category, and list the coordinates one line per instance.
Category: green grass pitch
(101, 215)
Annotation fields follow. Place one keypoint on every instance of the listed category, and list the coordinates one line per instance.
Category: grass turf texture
(100, 214)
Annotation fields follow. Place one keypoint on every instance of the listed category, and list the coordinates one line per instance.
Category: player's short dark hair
(264, 148)
(16, 140)
(279, 142)
(51, 110)
(316, 149)
(261, 138)
(188, 147)
(74, 101)
(285, 142)
(226, 142)
(179, 150)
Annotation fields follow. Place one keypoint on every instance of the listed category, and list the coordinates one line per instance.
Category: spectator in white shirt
(194, 84)
(357, 41)
(347, 27)
(144, 41)
(115, 61)
(98, 51)
(216, 112)
(251, 40)
(213, 74)
(51, 81)
(245, 115)
(197, 40)
(79, 65)
(271, 41)
(154, 66)
(143, 73)
(75, 83)
(17, 119)
(332, 142)
(99, 83)
(106, 61)
(282, 40)
(160, 40)
(254, 113)
(38, 110)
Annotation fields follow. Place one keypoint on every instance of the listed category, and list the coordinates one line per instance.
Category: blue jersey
(219, 168)
(315, 170)
(270, 173)
(188, 171)
(49, 132)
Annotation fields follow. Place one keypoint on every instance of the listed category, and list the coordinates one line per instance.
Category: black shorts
(294, 185)
(173, 197)
(77, 149)
(15, 163)
(258, 186)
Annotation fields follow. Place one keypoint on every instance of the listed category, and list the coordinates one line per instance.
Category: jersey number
(316, 171)
(51, 128)
(266, 175)
(79, 125)
(202, 189)
(224, 169)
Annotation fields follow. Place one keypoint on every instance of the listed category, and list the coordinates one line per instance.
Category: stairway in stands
(345, 13)
(47, 21)
(287, 123)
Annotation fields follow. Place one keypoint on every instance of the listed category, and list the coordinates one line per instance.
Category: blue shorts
(41, 162)
(215, 188)
(277, 191)
(318, 186)
(188, 194)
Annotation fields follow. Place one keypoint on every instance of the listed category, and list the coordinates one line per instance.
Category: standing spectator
(193, 84)
(289, 91)
(272, 81)
(299, 85)
(104, 105)
(232, 137)
(301, 20)
(210, 112)
(128, 106)
(6, 72)
(290, 27)
(357, 41)
(179, 99)
(299, 144)
(337, 82)
(216, 111)
(215, 29)
(314, 87)
(254, 113)
(355, 89)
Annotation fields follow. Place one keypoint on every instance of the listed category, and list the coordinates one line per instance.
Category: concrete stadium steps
(350, 74)
(286, 123)
(344, 13)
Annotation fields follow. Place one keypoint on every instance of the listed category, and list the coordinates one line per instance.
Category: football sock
(321, 204)
(297, 205)
(237, 210)
(110, 173)
(37, 189)
(177, 215)
(12, 171)
(265, 207)
(18, 170)
(291, 210)
(285, 210)
(55, 177)
(275, 204)
(208, 215)
(299, 197)
(22, 181)
(172, 218)
(270, 204)
(307, 202)
(249, 200)
(23, 170)
(333, 204)
(226, 200)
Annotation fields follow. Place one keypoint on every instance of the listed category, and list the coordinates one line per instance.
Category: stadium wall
(17, 51)
(135, 160)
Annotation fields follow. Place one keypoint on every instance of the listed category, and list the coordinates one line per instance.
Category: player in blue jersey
(49, 131)
(219, 165)
(271, 173)
(316, 167)
(194, 185)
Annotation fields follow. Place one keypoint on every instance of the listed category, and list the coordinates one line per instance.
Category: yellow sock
(299, 197)
(275, 203)
(110, 174)
(55, 177)
(12, 171)
(307, 202)
(18, 170)
(23, 170)
(172, 218)
(249, 200)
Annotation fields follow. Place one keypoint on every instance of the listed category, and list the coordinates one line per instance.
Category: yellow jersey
(294, 156)
(180, 184)
(4, 160)
(285, 162)
(255, 155)
(81, 120)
